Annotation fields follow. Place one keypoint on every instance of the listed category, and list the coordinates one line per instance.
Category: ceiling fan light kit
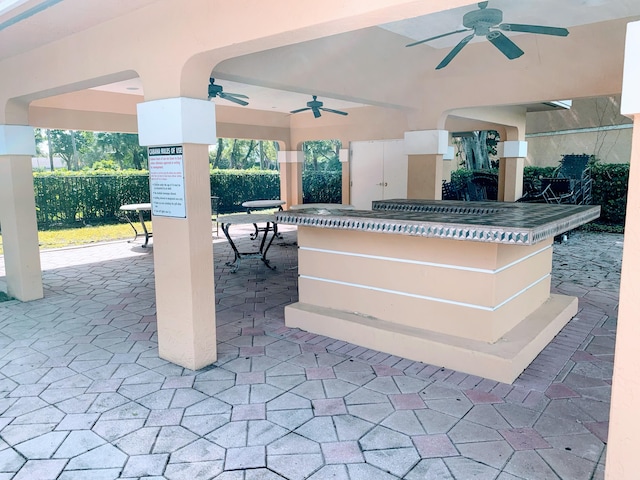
(486, 22)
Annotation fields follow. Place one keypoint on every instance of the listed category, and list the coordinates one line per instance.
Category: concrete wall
(592, 125)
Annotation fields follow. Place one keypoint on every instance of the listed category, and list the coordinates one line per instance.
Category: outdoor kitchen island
(462, 285)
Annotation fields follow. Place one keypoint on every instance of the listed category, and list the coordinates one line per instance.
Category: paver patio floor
(84, 395)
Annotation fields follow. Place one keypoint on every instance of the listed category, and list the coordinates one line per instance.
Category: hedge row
(68, 199)
(322, 187)
(233, 187)
(64, 200)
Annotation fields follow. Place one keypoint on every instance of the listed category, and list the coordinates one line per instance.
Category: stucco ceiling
(260, 98)
(554, 13)
(25, 27)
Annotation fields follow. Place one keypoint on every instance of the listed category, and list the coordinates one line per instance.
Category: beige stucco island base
(458, 285)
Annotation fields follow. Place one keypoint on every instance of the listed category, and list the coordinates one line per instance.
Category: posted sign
(166, 181)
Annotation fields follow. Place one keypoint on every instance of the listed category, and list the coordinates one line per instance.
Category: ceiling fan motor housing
(482, 20)
(314, 103)
(214, 90)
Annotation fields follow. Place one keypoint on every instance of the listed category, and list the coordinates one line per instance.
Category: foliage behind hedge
(69, 198)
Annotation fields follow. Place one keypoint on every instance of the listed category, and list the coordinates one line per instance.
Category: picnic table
(251, 205)
(262, 204)
(247, 218)
(140, 208)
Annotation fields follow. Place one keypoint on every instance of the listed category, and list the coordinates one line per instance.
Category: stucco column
(182, 244)
(346, 175)
(624, 422)
(291, 163)
(18, 213)
(512, 155)
(425, 149)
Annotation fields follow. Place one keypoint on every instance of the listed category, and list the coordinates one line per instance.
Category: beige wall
(612, 146)
(572, 131)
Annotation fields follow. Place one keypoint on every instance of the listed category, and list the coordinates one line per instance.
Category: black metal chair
(450, 192)
(571, 182)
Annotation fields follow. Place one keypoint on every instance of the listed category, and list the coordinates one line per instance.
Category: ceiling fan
(216, 91)
(485, 22)
(315, 106)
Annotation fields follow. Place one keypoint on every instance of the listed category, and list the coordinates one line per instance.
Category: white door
(395, 169)
(366, 171)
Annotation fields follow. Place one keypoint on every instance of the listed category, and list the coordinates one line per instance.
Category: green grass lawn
(81, 236)
(70, 237)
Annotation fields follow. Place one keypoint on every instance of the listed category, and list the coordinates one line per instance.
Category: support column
(182, 245)
(291, 164)
(425, 149)
(512, 155)
(624, 422)
(18, 213)
(346, 176)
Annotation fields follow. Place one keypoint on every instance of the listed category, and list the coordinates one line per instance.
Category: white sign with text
(166, 181)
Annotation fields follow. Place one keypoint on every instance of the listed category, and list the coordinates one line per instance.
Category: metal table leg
(262, 251)
(147, 234)
(135, 230)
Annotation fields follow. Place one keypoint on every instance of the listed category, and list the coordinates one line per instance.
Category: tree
(215, 155)
(71, 145)
(242, 154)
(124, 148)
(322, 154)
(475, 149)
(268, 153)
(42, 136)
(39, 136)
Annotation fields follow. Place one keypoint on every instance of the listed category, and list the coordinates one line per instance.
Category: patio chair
(531, 191)
(450, 191)
(570, 183)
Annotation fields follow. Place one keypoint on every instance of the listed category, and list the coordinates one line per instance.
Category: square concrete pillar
(182, 244)
(18, 213)
(291, 163)
(346, 176)
(425, 150)
(624, 423)
(510, 180)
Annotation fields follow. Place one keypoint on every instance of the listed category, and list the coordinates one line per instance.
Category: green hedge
(233, 187)
(72, 198)
(610, 183)
(532, 175)
(322, 187)
(66, 199)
